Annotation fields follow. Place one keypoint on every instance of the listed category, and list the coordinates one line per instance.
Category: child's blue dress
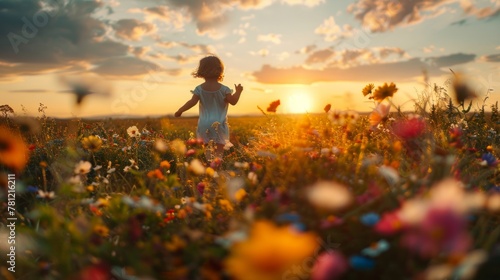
(212, 123)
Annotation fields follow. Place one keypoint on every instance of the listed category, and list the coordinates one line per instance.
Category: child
(214, 98)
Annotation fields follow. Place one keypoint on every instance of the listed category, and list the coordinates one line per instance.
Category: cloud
(271, 37)
(48, 36)
(199, 48)
(383, 15)
(132, 29)
(320, 56)
(261, 52)
(307, 49)
(129, 67)
(396, 71)
(175, 19)
(308, 3)
(491, 58)
(329, 29)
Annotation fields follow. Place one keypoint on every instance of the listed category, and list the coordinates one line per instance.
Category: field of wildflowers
(389, 195)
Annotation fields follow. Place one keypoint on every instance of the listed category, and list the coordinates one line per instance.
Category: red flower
(411, 128)
(99, 271)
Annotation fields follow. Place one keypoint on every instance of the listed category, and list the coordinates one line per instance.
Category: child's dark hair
(210, 67)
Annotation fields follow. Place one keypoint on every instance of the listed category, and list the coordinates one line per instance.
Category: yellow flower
(92, 143)
(269, 252)
(226, 205)
(368, 89)
(175, 244)
(240, 194)
(13, 150)
(384, 91)
(101, 230)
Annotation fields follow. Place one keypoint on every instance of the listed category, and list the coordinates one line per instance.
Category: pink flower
(389, 223)
(329, 265)
(201, 187)
(442, 231)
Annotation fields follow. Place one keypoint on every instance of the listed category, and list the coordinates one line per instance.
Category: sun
(299, 103)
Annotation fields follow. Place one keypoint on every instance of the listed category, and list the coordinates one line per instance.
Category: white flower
(111, 170)
(83, 167)
(126, 169)
(133, 131)
(47, 195)
(252, 176)
(160, 145)
(197, 167)
(228, 145)
(329, 195)
(97, 167)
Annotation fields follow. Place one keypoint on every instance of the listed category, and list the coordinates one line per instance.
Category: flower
(200, 187)
(160, 145)
(368, 89)
(442, 231)
(178, 147)
(389, 223)
(92, 143)
(327, 108)
(329, 265)
(165, 165)
(361, 263)
(197, 167)
(101, 230)
(382, 92)
(488, 159)
(240, 194)
(269, 252)
(156, 173)
(273, 106)
(411, 128)
(376, 248)
(133, 131)
(380, 113)
(370, 219)
(329, 195)
(83, 167)
(462, 88)
(226, 205)
(46, 195)
(13, 150)
(100, 271)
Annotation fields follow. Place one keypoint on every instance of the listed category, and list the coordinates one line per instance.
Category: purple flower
(489, 159)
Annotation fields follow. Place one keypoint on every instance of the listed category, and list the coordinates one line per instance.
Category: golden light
(299, 103)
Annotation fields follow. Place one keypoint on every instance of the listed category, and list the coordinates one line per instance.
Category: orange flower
(368, 89)
(156, 174)
(269, 252)
(13, 150)
(165, 165)
(382, 92)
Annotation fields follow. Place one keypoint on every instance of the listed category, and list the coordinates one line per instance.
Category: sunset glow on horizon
(306, 53)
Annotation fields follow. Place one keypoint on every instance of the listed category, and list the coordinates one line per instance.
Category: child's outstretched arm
(191, 102)
(233, 98)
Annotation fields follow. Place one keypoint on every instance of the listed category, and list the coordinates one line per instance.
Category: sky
(139, 54)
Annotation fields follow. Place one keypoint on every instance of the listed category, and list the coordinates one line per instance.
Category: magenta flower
(442, 231)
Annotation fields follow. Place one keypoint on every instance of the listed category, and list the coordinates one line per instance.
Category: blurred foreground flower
(329, 195)
(329, 265)
(380, 113)
(13, 150)
(269, 252)
(462, 88)
(273, 106)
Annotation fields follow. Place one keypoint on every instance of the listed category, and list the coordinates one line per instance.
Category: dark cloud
(383, 15)
(41, 36)
(211, 14)
(132, 29)
(396, 71)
